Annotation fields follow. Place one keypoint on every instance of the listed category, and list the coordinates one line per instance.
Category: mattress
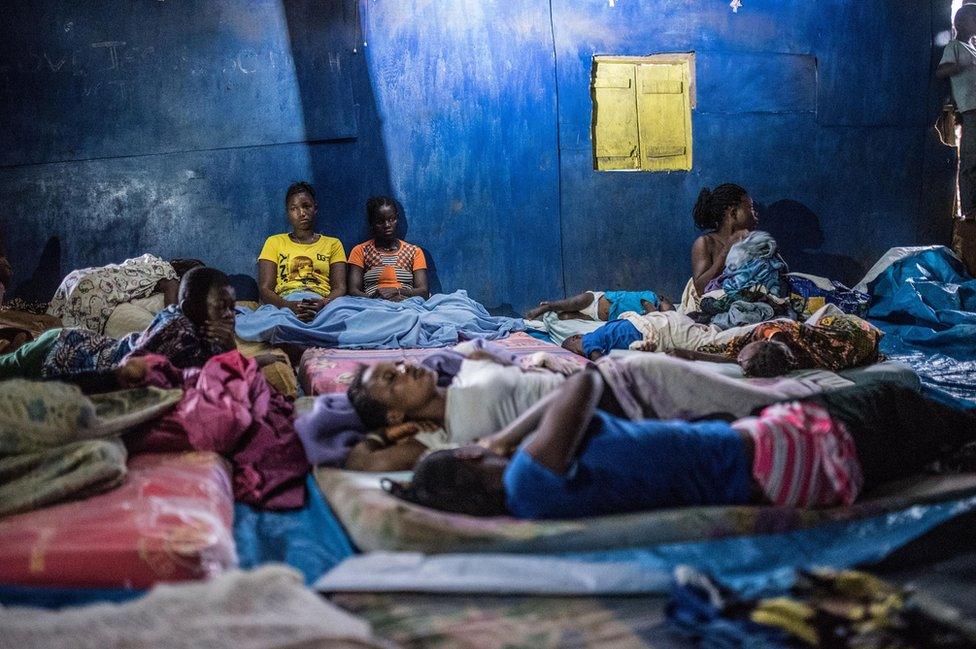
(377, 521)
(326, 371)
(170, 521)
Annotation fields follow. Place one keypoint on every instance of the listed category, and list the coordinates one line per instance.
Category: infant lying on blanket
(602, 305)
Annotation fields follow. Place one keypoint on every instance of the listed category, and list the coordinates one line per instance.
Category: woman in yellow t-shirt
(301, 270)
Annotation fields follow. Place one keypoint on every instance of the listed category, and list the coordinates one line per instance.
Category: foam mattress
(171, 520)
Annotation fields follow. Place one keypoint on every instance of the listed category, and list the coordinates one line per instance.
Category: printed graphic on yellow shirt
(302, 270)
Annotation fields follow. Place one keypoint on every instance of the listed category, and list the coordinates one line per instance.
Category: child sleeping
(601, 305)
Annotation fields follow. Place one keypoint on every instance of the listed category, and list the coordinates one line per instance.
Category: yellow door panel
(615, 126)
(664, 116)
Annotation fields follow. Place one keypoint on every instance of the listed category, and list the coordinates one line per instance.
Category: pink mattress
(171, 520)
(325, 371)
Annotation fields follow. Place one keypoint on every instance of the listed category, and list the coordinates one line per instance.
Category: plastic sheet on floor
(926, 305)
(749, 565)
(309, 539)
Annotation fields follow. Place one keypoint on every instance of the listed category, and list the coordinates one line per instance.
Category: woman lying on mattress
(727, 212)
(829, 340)
(301, 270)
(414, 414)
(386, 267)
(200, 326)
(567, 459)
(836, 342)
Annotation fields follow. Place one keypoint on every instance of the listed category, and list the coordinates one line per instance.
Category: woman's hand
(686, 354)
(307, 309)
(221, 333)
(132, 372)
(397, 432)
(496, 444)
(392, 294)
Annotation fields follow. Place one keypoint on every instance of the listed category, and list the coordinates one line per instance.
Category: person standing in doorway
(959, 66)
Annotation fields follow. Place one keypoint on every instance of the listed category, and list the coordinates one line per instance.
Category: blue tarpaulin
(926, 305)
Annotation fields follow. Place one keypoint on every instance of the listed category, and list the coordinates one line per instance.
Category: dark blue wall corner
(175, 128)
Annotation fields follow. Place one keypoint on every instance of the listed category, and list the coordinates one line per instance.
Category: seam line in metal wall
(341, 140)
(559, 154)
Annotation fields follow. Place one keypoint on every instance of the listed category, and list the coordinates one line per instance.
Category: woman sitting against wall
(301, 270)
(386, 267)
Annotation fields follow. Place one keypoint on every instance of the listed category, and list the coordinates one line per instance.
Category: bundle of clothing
(757, 286)
(824, 608)
(808, 293)
(228, 408)
(87, 297)
(752, 288)
(56, 444)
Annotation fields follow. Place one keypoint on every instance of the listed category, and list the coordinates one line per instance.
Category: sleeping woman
(301, 270)
(386, 267)
(572, 460)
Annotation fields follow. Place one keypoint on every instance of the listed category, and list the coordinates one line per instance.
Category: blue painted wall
(475, 114)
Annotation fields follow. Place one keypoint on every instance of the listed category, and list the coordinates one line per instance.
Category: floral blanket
(87, 297)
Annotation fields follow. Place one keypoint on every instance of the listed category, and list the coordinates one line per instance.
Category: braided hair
(375, 203)
(712, 204)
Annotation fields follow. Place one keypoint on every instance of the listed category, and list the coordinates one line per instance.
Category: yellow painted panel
(616, 143)
(664, 116)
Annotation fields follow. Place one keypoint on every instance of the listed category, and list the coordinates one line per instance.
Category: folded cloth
(57, 444)
(229, 408)
(329, 430)
(743, 313)
(810, 292)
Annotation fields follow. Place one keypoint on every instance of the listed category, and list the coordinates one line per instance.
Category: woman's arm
(950, 69)
(337, 281)
(170, 288)
(419, 285)
(368, 455)
(266, 286)
(562, 429)
(505, 441)
(691, 355)
(308, 309)
(708, 264)
(354, 283)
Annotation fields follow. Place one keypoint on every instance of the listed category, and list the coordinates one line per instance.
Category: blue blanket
(364, 323)
(926, 305)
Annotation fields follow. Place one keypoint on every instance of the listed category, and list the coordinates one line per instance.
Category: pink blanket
(228, 408)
